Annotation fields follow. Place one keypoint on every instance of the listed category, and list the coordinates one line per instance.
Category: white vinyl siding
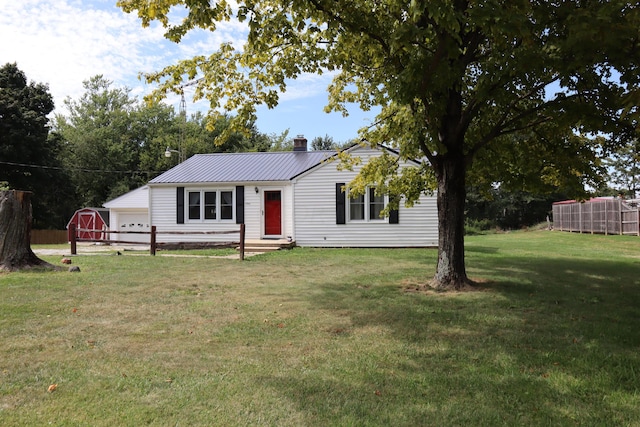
(135, 199)
(308, 212)
(162, 202)
(315, 214)
(163, 208)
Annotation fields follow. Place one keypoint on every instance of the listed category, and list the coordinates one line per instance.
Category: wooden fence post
(620, 216)
(72, 233)
(152, 243)
(606, 218)
(242, 242)
(580, 224)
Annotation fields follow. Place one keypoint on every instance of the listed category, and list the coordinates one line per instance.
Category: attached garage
(130, 212)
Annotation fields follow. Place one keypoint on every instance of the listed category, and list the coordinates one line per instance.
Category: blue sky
(65, 42)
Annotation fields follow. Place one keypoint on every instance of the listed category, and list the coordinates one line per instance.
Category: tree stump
(15, 232)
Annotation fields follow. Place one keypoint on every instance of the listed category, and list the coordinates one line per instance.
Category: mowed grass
(314, 337)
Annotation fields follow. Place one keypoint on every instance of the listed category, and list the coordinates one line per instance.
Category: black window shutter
(180, 205)
(240, 204)
(394, 216)
(340, 204)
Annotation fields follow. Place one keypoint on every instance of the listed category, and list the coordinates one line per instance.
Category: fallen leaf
(378, 393)
(52, 388)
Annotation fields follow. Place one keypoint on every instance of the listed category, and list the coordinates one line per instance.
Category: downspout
(293, 211)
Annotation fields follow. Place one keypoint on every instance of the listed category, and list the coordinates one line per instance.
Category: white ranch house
(295, 195)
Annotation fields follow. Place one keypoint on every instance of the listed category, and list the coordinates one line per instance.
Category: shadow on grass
(549, 341)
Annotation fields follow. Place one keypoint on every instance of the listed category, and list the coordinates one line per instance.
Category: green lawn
(329, 337)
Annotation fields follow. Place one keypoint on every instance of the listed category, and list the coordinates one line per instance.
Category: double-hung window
(376, 205)
(194, 205)
(210, 205)
(210, 199)
(366, 207)
(226, 205)
(356, 208)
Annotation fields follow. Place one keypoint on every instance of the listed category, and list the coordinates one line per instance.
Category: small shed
(90, 219)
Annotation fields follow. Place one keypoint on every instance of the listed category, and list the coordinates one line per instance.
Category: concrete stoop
(264, 245)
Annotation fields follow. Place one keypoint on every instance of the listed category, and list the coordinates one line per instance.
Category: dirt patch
(476, 285)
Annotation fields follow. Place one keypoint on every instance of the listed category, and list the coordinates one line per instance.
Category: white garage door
(134, 222)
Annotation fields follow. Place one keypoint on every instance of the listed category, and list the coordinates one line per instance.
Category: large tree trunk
(15, 232)
(450, 272)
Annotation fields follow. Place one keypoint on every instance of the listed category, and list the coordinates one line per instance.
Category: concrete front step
(267, 245)
(260, 249)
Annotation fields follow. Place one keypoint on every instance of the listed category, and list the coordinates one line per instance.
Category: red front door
(272, 213)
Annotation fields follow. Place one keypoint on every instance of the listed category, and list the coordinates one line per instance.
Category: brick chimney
(300, 143)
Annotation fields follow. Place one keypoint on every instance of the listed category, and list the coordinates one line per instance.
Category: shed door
(87, 221)
(272, 213)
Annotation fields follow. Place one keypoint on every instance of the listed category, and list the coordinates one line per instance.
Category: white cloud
(65, 42)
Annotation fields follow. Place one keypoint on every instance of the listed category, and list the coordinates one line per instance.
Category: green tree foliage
(202, 137)
(28, 157)
(534, 173)
(110, 143)
(281, 142)
(624, 168)
(154, 127)
(323, 143)
(507, 209)
(101, 151)
(453, 78)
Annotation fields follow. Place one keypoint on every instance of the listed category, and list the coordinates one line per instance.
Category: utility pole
(183, 123)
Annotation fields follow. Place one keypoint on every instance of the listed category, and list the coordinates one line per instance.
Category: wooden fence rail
(153, 239)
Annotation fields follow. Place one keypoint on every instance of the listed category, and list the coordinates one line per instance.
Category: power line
(75, 168)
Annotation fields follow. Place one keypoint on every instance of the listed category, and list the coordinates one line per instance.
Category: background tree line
(108, 143)
(105, 144)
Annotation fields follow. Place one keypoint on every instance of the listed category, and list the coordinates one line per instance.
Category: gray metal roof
(243, 167)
